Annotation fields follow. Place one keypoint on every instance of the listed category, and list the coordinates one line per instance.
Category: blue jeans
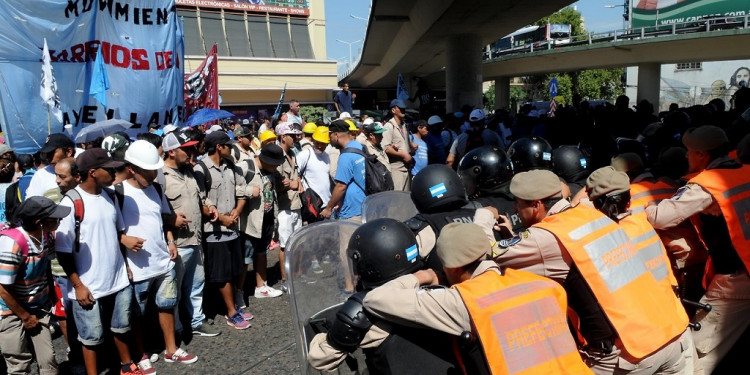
(190, 281)
(162, 288)
(115, 307)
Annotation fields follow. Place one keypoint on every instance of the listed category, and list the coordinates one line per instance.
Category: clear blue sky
(340, 24)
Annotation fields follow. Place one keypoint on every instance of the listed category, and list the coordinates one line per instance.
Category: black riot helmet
(437, 188)
(570, 164)
(529, 153)
(383, 249)
(484, 170)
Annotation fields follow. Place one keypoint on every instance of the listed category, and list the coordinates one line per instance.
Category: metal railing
(676, 28)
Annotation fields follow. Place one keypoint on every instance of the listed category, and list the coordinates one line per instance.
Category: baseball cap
(169, 128)
(217, 138)
(214, 128)
(344, 115)
(476, 115)
(242, 131)
(397, 103)
(375, 128)
(246, 122)
(458, 114)
(39, 207)
(272, 154)
(94, 158)
(368, 120)
(176, 140)
(285, 128)
(434, 119)
(339, 126)
(55, 141)
(115, 142)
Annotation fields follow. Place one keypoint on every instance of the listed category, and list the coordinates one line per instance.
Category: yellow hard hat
(309, 128)
(352, 127)
(321, 135)
(267, 135)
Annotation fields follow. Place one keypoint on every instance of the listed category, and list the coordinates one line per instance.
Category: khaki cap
(535, 184)
(704, 138)
(460, 244)
(607, 181)
(627, 162)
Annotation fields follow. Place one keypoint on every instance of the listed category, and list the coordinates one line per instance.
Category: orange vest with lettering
(644, 192)
(730, 188)
(520, 320)
(640, 307)
(643, 236)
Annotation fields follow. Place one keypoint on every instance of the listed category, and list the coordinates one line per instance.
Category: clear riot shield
(316, 297)
(391, 204)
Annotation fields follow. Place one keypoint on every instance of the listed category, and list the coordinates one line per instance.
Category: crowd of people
(601, 220)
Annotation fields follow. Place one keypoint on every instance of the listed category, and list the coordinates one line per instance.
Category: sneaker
(237, 322)
(180, 356)
(206, 330)
(145, 365)
(130, 369)
(245, 315)
(239, 299)
(315, 267)
(267, 292)
(284, 287)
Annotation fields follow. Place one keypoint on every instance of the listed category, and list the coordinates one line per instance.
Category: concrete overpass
(648, 54)
(440, 41)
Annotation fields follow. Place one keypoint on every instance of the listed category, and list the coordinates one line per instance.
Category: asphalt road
(268, 347)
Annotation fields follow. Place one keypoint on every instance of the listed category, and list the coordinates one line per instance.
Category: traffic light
(626, 10)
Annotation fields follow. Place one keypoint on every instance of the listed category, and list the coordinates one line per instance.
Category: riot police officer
(530, 153)
(381, 250)
(485, 173)
(572, 166)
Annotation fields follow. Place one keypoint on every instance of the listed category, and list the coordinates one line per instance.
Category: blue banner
(141, 46)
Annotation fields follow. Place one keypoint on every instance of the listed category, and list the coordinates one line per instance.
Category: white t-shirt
(316, 168)
(43, 179)
(99, 262)
(141, 212)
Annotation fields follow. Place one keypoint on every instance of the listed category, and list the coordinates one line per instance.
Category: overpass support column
(463, 71)
(649, 80)
(502, 93)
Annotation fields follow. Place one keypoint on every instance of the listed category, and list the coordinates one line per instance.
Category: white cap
(169, 128)
(434, 119)
(214, 128)
(368, 121)
(344, 115)
(476, 115)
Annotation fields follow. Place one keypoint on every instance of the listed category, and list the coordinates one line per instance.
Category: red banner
(202, 85)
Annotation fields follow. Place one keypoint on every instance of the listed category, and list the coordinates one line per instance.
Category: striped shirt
(27, 275)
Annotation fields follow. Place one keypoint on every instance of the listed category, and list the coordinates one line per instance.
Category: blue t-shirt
(435, 149)
(344, 100)
(351, 171)
(420, 157)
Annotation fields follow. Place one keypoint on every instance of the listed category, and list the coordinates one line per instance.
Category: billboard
(293, 7)
(666, 12)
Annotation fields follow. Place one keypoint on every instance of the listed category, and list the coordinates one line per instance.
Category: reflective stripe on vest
(644, 192)
(647, 240)
(730, 188)
(617, 270)
(521, 323)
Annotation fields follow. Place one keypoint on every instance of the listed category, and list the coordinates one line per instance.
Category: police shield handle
(131, 243)
(427, 277)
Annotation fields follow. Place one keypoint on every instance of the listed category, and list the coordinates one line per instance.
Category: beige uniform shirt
(395, 135)
(537, 251)
(227, 186)
(185, 197)
(401, 301)
(289, 200)
(689, 200)
(323, 357)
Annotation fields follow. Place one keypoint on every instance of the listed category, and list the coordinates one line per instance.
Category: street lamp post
(626, 13)
(350, 48)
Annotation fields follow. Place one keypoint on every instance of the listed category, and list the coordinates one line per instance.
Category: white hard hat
(144, 155)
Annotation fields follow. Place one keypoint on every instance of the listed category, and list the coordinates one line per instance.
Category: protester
(344, 100)
(288, 199)
(396, 145)
(57, 147)
(349, 190)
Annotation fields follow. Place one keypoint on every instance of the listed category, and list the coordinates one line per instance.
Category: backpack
(20, 239)
(207, 175)
(377, 176)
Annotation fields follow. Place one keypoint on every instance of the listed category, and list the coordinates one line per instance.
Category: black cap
(272, 154)
(38, 207)
(94, 158)
(217, 138)
(55, 141)
(339, 126)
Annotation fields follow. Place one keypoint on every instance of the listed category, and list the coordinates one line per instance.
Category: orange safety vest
(644, 192)
(638, 301)
(643, 236)
(730, 188)
(520, 320)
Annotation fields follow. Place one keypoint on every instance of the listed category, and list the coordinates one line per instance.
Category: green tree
(567, 16)
(490, 95)
(311, 113)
